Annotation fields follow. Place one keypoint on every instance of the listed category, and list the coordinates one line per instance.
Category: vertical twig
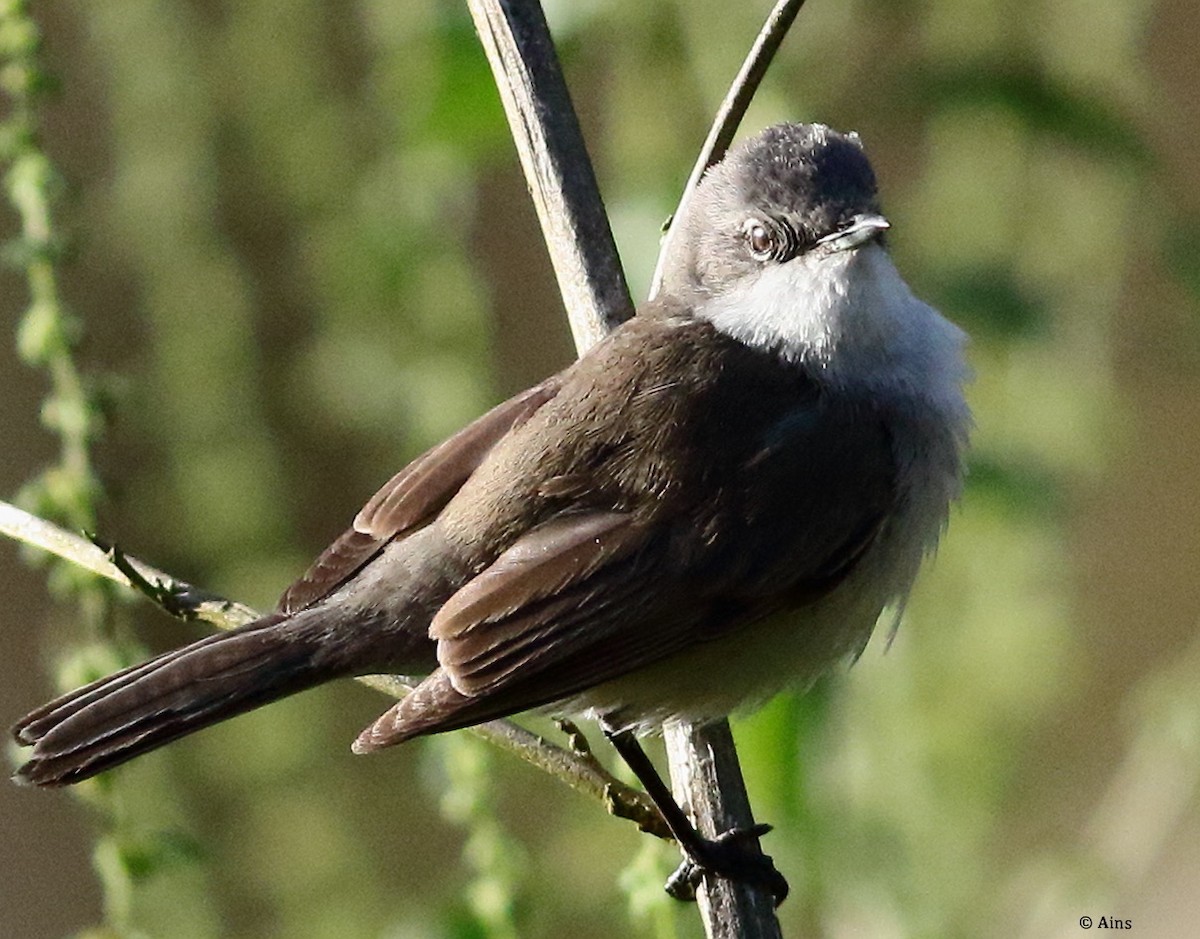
(731, 112)
(705, 770)
(704, 764)
(560, 177)
(707, 778)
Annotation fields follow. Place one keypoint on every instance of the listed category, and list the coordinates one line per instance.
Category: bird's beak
(862, 228)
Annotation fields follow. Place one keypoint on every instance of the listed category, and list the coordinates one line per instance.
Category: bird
(716, 502)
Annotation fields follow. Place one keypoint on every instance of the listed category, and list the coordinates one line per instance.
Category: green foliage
(302, 238)
(47, 338)
(993, 303)
(1182, 251)
(47, 335)
(493, 857)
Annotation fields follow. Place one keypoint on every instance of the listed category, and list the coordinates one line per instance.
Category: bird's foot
(734, 855)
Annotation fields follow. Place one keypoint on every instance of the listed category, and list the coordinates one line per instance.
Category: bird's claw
(734, 855)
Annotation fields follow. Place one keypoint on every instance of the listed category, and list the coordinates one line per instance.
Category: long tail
(143, 707)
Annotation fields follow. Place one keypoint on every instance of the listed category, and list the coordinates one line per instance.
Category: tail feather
(143, 707)
(37, 723)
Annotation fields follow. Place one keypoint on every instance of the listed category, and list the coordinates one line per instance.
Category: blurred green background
(301, 250)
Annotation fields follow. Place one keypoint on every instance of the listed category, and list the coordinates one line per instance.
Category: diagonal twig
(184, 601)
(730, 114)
(561, 181)
(521, 54)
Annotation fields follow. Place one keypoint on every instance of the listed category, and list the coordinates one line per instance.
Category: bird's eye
(759, 238)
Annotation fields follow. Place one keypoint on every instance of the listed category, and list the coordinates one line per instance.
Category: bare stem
(707, 778)
(560, 177)
(184, 601)
(729, 115)
(704, 763)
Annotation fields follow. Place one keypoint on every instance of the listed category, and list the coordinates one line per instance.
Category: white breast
(852, 319)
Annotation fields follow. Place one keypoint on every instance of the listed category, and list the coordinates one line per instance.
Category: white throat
(850, 319)
(848, 315)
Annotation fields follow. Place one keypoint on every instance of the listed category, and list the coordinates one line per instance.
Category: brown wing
(549, 594)
(581, 601)
(563, 609)
(411, 498)
(758, 514)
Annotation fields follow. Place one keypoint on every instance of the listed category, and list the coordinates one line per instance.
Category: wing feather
(648, 555)
(548, 594)
(411, 498)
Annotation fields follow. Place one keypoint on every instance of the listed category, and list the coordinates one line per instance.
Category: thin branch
(707, 778)
(184, 601)
(560, 177)
(729, 115)
(561, 180)
(521, 54)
